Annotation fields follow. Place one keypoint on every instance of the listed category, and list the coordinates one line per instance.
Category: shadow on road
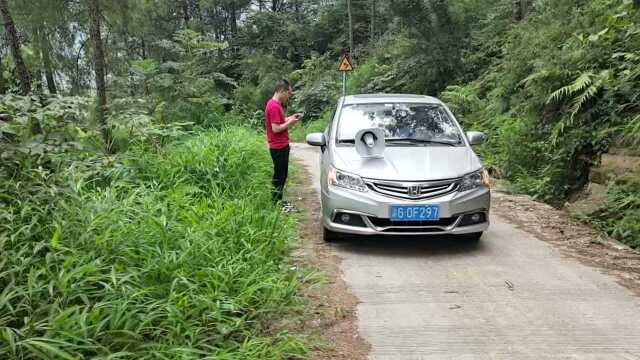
(410, 246)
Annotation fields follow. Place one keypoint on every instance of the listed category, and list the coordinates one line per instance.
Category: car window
(428, 122)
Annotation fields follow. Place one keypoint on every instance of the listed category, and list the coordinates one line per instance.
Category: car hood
(409, 163)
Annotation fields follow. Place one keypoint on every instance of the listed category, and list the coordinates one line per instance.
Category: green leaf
(47, 347)
(55, 239)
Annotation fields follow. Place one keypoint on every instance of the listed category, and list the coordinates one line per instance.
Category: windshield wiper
(421, 141)
(406, 140)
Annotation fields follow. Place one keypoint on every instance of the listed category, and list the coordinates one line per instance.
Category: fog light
(472, 219)
(349, 219)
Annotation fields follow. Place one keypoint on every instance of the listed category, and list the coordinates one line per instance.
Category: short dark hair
(282, 85)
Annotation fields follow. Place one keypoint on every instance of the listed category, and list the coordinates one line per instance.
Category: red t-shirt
(274, 114)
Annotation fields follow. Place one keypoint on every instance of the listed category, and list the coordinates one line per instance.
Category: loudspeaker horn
(370, 143)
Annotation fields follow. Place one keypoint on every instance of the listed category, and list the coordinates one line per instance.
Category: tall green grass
(169, 254)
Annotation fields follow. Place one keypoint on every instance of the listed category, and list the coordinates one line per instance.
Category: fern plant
(583, 89)
(463, 100)
(578, 94)
(632, 132)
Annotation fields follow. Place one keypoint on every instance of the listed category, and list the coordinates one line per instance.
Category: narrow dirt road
(511, 296)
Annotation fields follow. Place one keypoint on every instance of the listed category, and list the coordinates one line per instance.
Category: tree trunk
(45, 50)
(350, 26)
(36, 76)
(195, 9)
(373, 21)
(48, 73)
(124, 14)
(75, 84)
(3, 85)
(37, 79)
(185, 12)
(233, 21)
(520, 9)
(516, 11)
(143, 44)
(524, 5)
(14, 41)
(95, 16)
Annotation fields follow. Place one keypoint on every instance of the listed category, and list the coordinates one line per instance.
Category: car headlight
(346, 180)
(474, 180)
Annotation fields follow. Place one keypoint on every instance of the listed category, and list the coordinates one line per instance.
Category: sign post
(344, 83)
(346, 65)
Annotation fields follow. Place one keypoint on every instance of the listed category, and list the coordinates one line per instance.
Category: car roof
(389, 98)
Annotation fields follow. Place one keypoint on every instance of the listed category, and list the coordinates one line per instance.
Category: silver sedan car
(400, 165)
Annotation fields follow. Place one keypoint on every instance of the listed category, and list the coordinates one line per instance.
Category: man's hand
(294, 118)
(289, 120)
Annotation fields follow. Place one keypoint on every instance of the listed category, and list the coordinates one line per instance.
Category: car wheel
(330, 236)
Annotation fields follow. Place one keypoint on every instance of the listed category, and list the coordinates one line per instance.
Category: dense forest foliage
(113, 115)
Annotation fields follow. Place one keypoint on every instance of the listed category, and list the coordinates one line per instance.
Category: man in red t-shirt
(277, 126)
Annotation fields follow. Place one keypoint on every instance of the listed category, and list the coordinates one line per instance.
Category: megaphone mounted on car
(370, 143)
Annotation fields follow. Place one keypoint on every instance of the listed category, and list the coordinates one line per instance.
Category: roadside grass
(311, 320)
(174, 253)
(310, 275)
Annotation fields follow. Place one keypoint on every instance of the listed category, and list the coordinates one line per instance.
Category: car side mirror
(316, 139)
(476, 137)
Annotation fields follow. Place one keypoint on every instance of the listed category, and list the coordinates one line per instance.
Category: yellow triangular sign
(346, 64)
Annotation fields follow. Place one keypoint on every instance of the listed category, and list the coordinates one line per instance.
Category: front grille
(410, 230)
(413, 190)
(384, 223)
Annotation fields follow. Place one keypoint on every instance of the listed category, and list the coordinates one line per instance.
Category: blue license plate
(415, 213)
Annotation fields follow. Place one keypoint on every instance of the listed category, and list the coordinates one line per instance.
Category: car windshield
(402, 123)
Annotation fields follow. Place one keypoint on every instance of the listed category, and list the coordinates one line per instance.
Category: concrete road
(509, 297)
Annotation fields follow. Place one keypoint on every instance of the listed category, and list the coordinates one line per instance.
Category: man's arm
(278, 128)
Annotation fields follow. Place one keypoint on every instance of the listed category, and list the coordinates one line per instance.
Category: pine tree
(14, 42)
(95, 16)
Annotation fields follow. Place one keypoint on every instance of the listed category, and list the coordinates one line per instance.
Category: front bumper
(373, 208)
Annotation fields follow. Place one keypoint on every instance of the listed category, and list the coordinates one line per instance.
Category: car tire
(330, 236)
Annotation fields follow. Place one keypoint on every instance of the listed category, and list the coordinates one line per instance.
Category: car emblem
(414, 190)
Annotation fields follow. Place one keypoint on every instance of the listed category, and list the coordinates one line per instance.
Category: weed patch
(619, 217)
